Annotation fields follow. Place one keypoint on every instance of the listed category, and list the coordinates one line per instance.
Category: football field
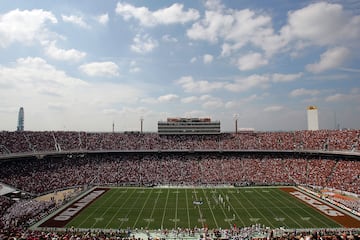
(170, 208)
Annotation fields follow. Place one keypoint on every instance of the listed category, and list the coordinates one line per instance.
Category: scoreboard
(188, 126)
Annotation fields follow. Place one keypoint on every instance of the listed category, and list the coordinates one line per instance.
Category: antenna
(236, 116)
(141, 124)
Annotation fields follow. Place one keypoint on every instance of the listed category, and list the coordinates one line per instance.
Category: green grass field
(160, 208)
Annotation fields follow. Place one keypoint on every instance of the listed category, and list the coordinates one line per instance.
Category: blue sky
(82, 65)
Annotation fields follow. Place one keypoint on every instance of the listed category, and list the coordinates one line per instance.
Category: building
(20, 126)
(188, 126)
(312, 118)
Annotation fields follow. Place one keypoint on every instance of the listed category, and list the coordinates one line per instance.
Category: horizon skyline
(82, 66)
(234, 130)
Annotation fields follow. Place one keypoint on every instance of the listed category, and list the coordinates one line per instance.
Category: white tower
(312, 118)
(20, 126)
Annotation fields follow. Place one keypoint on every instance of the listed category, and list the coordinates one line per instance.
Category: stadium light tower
(236, 117)
(20, 126)
(141, 124)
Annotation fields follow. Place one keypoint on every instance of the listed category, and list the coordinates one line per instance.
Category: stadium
(185, 185)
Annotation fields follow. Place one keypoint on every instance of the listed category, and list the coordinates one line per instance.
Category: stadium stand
(329, 140)
(93, 163)
(40, 176)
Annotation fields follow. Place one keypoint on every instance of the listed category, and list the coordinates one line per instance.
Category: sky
(84, 65)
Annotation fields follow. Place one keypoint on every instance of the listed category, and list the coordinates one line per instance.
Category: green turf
(155, 208)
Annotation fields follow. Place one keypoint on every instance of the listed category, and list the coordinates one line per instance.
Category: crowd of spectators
(23, 212)
(39, 176)
(327, 140)
(255, 232)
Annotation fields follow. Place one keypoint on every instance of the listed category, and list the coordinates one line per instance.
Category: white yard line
(303, 208)
(187, 208)
(142, 209)
(108, 208)
(90, 215)
(212, 213)
(176, 207)
(153, 210)
(166, 202)
(265, 218)
(120, 208)
(200, 213)
(288, 218)
(242, 206)
(223, 208)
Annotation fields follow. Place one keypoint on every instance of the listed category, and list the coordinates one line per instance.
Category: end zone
(328, 210)
(67, 214)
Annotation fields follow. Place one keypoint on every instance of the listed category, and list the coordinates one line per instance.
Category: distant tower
(312, 118)
(141, 124)
(20, 126)
(236, 117)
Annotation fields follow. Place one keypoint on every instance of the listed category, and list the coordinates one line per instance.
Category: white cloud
(193, 59)
(35, 73)
(330, 59)
(161, 99)
(190, 99)
(195, 113)
(103, 19)
(134, 68)
(350, 70)
(278, 77)
(302, 92)
(352, 96)
(59, 99)
(54, 52)
(206, 101)
(252, 81)
(207, 58)
(165, 16)
(251, 61)
(336, 98)
(212, 104)
(25, 27)
(238, 103)
(231, 104)
(236, 28)
(167, 98)
(168, 38)
(213, 26)
(202, 86)
(214, 5)
(322, 23)
(227, 49)
(149, 100)
(143, 44)
(240, 84)
(104, 69)
(205, 97)
(77, 20)
(275, 108)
